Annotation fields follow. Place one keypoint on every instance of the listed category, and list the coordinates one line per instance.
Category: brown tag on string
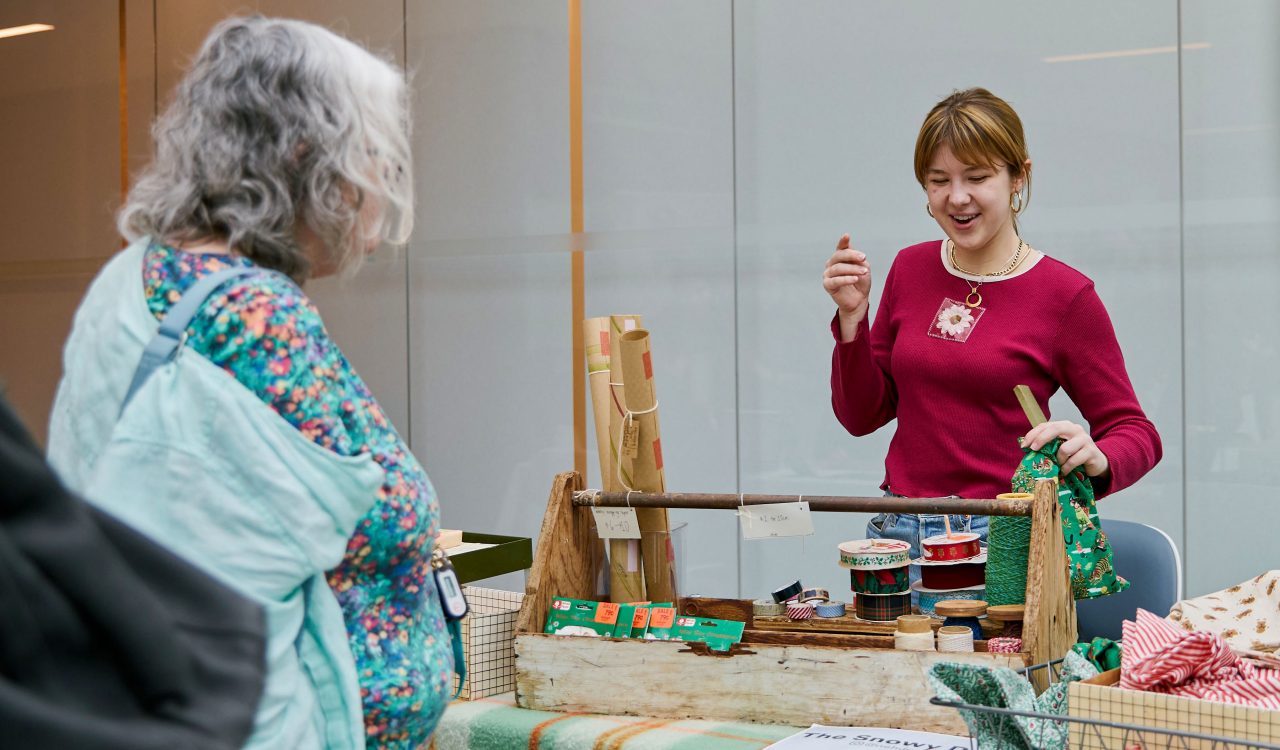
(631, 440)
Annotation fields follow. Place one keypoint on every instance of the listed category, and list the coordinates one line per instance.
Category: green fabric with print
(1088, 551)
(1102, 653)
(1001, 687)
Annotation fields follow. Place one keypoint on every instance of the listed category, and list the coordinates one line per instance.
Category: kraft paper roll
(626, 580)
(641, 401)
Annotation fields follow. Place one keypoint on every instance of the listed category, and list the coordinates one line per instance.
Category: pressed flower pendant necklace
(955, 320)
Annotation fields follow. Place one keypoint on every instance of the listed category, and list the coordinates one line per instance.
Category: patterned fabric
(883, 581)
(267, 334)
(1001, 687)
(882, 608)
(1102, 653)
(496, 724)
(1088, 551)
(1161, 657)
(1247, 615)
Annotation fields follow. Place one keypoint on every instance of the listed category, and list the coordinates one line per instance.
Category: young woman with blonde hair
(963, 320)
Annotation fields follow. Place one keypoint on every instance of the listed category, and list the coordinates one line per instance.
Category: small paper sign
(631, 440)
(775, 520)
(616, 523)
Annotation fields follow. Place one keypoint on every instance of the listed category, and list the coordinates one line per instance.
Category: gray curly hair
(278, 125)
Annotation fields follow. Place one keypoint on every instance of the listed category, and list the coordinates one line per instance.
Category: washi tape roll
(830, 609)
(913, 641)
(874, 554)
(943, 548)
(815, 595)
(788, 592)
(883, 581)
(915, 624)
(882, 607)
(954, 575)
(929, 598)
(955, 639)
(1005, 645)
(799, 610)
(767, 608)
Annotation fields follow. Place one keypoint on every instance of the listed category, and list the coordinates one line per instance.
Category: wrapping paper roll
(646, 468)
(626, 581)
(885, 608)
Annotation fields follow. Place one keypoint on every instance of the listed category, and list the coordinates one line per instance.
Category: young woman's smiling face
(971, 203)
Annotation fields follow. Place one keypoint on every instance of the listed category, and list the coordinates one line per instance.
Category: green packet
(719, 635)
(581, 617)
(639, 619)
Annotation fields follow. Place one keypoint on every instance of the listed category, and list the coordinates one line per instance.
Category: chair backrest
(1149, 559)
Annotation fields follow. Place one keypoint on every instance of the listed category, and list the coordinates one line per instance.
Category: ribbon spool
(914, 633)
(767, 608)
(930, 598)
(945, 548)
(874, 554)
(963, 612)
(883, 581)
(799, 610)
(830, 609)
(788, 592)
(884, 608)
(955, 639)
(1010, 615)
(1008, 547)
(943, 576)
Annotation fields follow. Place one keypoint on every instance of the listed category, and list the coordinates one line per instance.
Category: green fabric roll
(1088, 552)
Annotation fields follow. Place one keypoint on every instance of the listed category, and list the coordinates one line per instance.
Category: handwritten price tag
(617, 523)
(775, 520)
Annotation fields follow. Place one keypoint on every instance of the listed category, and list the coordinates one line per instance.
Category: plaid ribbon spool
(882, 608)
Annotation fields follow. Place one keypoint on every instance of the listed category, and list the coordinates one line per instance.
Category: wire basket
(1118, 731)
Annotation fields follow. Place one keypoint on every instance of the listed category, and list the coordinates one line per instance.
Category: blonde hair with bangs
(980, 128)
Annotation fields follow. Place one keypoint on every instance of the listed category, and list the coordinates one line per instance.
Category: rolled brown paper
(641, 400)
(626, 579)
(595, 335)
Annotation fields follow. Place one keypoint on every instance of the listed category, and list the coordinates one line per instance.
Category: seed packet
(661, 621)
(579, 617)
(719, 635)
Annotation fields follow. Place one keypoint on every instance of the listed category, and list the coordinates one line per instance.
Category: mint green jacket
(203, 466)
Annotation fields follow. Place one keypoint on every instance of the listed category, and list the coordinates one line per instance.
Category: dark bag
(107, 640)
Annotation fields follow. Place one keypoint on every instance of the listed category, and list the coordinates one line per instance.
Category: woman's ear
(1020, 181)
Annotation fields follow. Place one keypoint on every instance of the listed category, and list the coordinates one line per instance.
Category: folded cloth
(1001, 687)
(1088, 551)
(1247, 615)
(1102, 653)
(1161, 657)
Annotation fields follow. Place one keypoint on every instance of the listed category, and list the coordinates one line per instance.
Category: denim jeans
(912, 528)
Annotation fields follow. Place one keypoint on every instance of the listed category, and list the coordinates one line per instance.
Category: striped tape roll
(799, 610)
(955, 639)
(830, 609)
(768, 608)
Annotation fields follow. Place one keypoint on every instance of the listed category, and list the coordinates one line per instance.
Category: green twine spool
(1008, 547)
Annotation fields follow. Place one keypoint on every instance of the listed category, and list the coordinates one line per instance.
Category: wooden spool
(961, 608)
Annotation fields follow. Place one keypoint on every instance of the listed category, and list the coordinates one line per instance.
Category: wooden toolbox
(794, 676)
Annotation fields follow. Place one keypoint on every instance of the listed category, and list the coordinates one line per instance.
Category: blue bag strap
(459, 659)
(168, 341)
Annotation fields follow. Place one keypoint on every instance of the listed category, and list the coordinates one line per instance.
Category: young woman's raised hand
(848, 280)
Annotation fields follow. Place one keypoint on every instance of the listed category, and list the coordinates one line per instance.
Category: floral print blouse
(265, 332)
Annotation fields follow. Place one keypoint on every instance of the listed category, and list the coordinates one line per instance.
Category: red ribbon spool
(958, 576)
(955, 547)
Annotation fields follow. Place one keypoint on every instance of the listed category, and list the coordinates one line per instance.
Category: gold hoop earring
(1015, 206)
(929, 210)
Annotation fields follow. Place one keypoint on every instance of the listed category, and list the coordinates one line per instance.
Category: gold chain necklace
(970, 300)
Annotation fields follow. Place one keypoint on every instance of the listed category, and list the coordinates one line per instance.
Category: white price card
(616, 523)
(775, 520)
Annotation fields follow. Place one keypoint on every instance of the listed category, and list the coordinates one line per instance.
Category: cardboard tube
(595, 336)
(626, 580)
(647, 475)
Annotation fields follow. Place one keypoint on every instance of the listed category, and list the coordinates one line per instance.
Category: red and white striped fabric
(1161, 657)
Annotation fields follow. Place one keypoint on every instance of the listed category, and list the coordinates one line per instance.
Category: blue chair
(1149, 559)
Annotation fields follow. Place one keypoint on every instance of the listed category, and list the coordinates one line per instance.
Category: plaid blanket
(496, 724)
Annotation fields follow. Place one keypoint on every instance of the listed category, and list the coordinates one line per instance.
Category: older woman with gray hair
(204, 403)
